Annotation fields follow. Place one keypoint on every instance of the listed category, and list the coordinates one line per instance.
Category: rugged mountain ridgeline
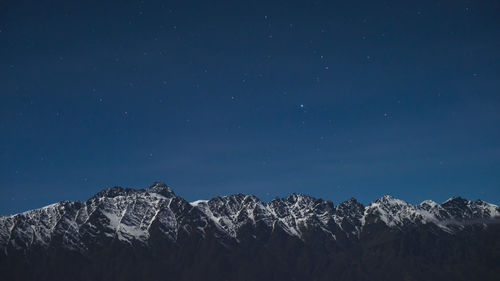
(152, 234)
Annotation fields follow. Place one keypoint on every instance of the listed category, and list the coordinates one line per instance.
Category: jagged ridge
(133, 216)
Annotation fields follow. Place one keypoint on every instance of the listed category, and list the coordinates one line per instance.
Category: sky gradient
(332, 99)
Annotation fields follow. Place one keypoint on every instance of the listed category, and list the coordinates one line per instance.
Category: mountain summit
(132, 234)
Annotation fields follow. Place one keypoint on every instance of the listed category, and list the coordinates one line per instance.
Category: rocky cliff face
(152, 234)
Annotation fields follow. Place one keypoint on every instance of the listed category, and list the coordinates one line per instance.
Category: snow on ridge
(198, 202)
(429, 203)
(128, 216)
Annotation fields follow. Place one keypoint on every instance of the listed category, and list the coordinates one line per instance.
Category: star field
(333, 99)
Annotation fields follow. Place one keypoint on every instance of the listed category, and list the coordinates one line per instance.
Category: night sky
(332, 99)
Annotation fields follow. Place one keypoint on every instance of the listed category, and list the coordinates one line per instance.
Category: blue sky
(332, 99)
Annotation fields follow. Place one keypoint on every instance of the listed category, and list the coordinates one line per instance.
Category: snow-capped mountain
(129, 215)
(155, 222)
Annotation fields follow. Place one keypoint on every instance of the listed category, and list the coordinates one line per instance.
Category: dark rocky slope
(152, 234)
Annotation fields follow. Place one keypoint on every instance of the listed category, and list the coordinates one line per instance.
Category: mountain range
(153, 234)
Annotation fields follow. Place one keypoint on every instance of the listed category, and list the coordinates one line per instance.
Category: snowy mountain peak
(350, 205)
(161, 188)
(115, 191)
(456, 201)
(137, 215)
(156, 188)
(389, 200)
(125, 223)
(428, 204)
(351, 200)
